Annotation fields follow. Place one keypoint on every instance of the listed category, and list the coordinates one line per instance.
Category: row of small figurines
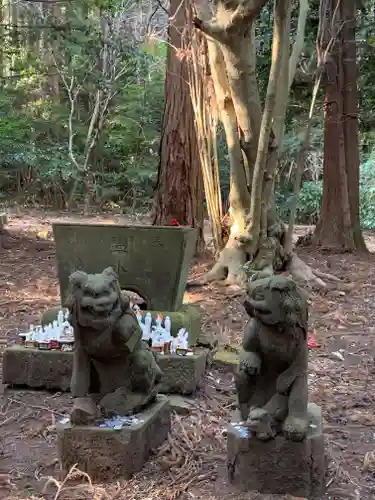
(159, 336)
(58, 335)
(174, 345)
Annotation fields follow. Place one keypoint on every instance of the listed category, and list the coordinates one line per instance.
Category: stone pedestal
(25, 367)
(52, 370)
(279, 466)
(182, 374)
(106, 454)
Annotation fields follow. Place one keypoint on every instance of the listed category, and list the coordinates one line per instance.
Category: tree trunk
(53, 75)
(339, 224)
(2, 37)
(179, 189)
(351, 114)
(253, 142)
(257, 236)
(14, 13)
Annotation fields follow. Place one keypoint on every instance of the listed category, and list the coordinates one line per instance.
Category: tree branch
(299, 42)
(243, 13)
(322, 60)
(279, 48)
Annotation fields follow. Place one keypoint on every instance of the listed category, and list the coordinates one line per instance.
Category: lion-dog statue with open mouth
(113, 368)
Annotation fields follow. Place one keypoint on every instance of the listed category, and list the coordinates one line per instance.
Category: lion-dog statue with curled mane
(271, 380)
(112, 367)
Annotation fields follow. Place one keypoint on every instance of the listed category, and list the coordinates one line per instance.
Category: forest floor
(192, 464)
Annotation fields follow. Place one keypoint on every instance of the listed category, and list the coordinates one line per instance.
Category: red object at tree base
(312, 343)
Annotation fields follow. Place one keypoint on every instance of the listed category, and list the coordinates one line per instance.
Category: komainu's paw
(295, 428)
(250, 363)
(158, 375)
(260, 422)
(84, 411)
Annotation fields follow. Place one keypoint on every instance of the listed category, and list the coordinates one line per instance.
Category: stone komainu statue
(111, 363)
(271, 380)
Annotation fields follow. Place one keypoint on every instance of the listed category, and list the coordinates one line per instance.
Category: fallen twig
(72, 474)
(37, 407)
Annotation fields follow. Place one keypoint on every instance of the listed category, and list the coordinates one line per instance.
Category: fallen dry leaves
(191, 464)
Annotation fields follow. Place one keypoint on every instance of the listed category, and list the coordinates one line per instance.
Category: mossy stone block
(108, 454)
(52, 370)
(227, 360)
(182, 374)
(26, 367)
(152, 261)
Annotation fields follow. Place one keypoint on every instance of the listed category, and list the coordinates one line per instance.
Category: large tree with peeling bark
(254, 136)
(179, 189)
(339, 224)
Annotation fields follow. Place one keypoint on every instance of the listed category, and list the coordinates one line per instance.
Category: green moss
(226, 357)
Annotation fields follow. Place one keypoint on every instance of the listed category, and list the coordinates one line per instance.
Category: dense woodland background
(82, 96)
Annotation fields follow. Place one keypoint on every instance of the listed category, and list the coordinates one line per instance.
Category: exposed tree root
(308, 276)
(234, 266)
(230, 267)
(327, 276)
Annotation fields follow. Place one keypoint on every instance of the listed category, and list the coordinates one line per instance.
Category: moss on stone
(225, 357)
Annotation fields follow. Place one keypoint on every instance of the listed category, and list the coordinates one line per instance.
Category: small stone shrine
(276, 444)
(115, 377)
(44, 357)
(139, 255)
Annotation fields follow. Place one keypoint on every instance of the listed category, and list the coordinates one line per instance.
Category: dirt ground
(192, 464)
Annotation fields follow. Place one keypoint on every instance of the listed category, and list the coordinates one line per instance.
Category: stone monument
(152, 261)
(114, 375)
(277, 445)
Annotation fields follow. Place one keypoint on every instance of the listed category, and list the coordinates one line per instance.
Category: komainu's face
(276, 300)
(97, 296)
(264, 304)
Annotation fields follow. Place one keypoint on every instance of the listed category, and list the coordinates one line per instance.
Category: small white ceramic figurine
(148, 322)
(60, 318)
(183, 337)
(138, 313)
(158, 321)
(168, 324)
(174, 344)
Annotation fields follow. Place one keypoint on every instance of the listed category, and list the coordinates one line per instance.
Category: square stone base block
(279, 466)
(106, 454)
(52, 370)
(182, 374)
